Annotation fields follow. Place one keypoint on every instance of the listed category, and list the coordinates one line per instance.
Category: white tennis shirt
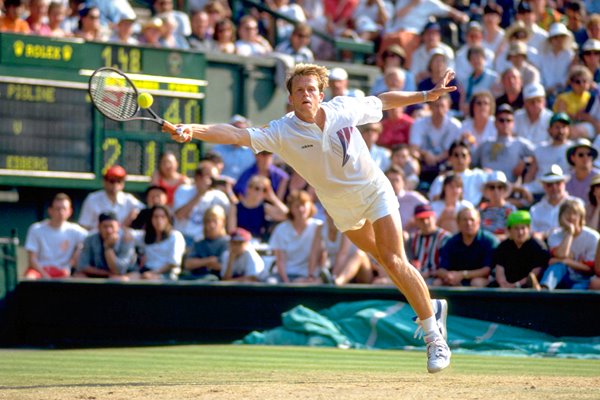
(341, 167)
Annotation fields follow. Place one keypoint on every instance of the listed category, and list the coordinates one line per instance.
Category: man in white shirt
(190, 202)
(544, 213)
(53, 245)
(432, 135)
(111, 199)
(532, 121)
(320, 141)
(552, 151)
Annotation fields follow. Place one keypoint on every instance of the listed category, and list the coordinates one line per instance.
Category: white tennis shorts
(374, 201)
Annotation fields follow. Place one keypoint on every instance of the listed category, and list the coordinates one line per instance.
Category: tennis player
(321, 142)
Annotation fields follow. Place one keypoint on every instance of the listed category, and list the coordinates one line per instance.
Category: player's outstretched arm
(218, 133)
(398, 98)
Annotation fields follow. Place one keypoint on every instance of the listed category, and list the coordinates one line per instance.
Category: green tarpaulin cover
(389, 325)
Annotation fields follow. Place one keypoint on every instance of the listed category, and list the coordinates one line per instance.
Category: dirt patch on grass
(274, 385)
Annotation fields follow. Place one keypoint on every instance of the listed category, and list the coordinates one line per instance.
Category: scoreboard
(50, 131)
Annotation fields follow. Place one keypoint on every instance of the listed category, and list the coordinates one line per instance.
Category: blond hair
(574, 205)
(319, 72)
(217, 212)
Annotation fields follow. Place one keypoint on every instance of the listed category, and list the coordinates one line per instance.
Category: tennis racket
(115, 96)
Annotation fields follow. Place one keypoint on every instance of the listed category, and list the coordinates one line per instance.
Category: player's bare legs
(383, 240)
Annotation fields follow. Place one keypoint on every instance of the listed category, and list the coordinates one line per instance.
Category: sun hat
(581, 142)
(554, 174)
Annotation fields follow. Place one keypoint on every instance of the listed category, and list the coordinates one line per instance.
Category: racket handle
(169, 127)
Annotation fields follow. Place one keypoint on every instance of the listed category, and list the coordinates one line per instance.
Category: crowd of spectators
(497, 182)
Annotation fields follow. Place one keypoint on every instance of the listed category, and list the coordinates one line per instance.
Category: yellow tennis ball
(145, 100)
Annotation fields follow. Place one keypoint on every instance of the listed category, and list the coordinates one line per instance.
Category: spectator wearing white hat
(556, 58)
(581, 156)
(495, 211)
(338, 85)
(590, 57)
(544, 213)
(552, 151)
(532, 121)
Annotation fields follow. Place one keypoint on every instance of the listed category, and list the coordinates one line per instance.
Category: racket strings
(114, 95)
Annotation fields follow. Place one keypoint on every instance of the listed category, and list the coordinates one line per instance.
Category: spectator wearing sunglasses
(496, 209)
(460, 162)
(581, 156)
(508, 153)
(575, 102)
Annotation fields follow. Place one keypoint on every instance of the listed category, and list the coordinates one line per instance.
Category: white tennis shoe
(438, 353)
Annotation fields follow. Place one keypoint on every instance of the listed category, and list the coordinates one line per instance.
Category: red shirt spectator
(396, 128)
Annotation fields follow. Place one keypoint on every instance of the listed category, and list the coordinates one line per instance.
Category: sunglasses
(578, 81)
(505, 120)
(495, 187)
(460, 155)
(581, 155)
(113, 181)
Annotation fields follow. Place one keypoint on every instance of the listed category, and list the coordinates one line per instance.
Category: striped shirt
(425, 249)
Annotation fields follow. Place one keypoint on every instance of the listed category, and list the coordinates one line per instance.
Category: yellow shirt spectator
(571, 103)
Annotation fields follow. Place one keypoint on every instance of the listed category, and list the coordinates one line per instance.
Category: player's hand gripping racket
(116, 97)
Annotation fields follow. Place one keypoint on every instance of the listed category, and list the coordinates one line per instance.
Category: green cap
(560, 116)
(518, 217)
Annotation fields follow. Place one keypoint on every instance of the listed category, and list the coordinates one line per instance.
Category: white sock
(430, 326)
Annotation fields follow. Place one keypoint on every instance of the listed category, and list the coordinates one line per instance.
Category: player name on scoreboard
(47, 128)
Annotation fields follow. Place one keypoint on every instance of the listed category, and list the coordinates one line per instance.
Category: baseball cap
(240, 235)
(554, 174)
(533, 90)
(116, 171)
(560, 117)
(595, 180)
(505, 108)
(397, 50)
(581, 142)
(107, 216)
(423, 211)
(520, 217)
(431, 25)
(496, 177)
(338, 74)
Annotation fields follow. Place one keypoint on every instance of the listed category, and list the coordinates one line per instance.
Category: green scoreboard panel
(50, 131)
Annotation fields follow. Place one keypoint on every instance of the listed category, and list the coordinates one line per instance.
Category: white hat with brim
(554, 174)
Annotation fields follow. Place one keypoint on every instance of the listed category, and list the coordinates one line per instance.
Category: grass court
(261, 372)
